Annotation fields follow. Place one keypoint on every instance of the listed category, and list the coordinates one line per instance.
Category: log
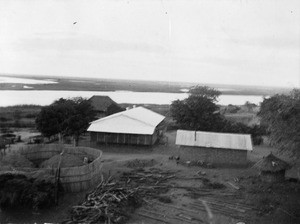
(233, 186)
(182, 209)
(239, 205)
(222, 212)
(226, 206)
(209, 213)
(154, 218)
(185, 216)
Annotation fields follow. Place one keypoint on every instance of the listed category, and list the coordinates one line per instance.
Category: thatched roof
(67, 160)
(15, 160)
(271, 163)
(101, 103)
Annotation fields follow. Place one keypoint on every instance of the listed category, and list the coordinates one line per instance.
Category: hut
(136, 126)
(104, 106)
(272, 169)
(215, 148)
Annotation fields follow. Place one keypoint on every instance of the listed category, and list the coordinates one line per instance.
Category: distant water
(4, 79)
(46, 97)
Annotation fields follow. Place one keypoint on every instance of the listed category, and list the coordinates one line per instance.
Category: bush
(172, 126)
(258, 140)
(18, 125)
(267, 204)
(232, 109)
(281, 115)
(31, 115)
(255, 131)
(4, 119)
(16, 190)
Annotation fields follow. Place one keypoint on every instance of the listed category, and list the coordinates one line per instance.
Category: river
(46, 97)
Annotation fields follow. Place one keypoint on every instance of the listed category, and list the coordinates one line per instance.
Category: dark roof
(272, 164)
(101, 103)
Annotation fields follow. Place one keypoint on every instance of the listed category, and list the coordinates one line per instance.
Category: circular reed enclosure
(73, 179)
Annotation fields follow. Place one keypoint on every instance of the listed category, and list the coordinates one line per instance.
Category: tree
(281, 114)
(79, 122)
(199, 111)
(65, 117)
(205, 92)
(3, 144)
(250, 106)
(17, 117)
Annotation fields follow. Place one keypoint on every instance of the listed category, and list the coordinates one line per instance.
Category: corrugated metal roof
(137, 120)
(214, 140)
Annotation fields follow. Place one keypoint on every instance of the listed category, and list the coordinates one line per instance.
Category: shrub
(31, 115)
(4, 119)
(16, 190)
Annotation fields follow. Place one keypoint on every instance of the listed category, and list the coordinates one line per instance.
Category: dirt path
(184, 192)
(195, 194)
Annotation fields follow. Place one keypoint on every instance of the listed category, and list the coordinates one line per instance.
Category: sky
(207, 41)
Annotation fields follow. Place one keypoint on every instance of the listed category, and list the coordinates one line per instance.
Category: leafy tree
(255, 131)
(65, 117)
(205, 92)
(79, 121)
(250, 106)
(199, 111)
(281, 114)
(51, 120)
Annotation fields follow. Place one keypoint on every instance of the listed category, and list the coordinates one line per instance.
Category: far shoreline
(111, 85)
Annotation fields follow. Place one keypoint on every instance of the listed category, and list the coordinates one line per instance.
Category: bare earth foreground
(193, 194)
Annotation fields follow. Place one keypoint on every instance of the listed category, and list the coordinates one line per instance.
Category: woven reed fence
(73, 179)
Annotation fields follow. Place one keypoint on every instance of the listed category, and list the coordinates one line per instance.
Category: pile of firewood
(110, 202)
(113, 201)
(150, 183)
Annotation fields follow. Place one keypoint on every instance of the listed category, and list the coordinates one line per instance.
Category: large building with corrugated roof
(136, 126)
(214, 148)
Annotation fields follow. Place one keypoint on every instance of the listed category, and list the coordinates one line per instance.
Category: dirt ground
(195, 194)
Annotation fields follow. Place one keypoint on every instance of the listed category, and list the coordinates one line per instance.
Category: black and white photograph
(150, 111)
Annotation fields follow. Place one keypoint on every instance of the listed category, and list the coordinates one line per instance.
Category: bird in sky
(74, 23)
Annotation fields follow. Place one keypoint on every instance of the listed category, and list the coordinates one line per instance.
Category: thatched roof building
(104, 106)
(272, 168)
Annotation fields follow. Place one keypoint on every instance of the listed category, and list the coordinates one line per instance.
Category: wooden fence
(73, 179)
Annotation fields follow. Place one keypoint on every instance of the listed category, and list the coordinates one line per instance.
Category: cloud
(268, 42)
(60, 42)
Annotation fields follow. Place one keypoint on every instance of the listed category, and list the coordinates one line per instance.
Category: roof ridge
(107, 117)
(215, 139)
(126, 115)
(211, 132)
